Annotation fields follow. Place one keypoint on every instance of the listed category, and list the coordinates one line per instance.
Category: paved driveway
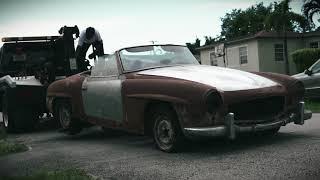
(293, 153)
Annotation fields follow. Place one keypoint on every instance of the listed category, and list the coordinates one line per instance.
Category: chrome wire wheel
(64, 116)
(5, 120)
(164, 133)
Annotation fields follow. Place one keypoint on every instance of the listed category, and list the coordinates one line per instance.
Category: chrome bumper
(230, 129)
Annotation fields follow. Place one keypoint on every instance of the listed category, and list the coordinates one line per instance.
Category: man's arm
(98, 45)
(81, 39)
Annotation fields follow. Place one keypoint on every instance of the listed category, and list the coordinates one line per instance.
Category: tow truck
(27, 66)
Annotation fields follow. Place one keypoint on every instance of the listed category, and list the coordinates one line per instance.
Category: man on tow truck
(88, 37)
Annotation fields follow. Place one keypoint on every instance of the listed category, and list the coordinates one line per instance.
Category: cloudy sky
(122, 23)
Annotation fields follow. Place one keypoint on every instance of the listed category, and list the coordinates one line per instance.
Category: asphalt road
(292, 154)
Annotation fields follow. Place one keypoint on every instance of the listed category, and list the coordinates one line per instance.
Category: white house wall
(267, 55)
(261, 54)
(204, 56)
(233, 56)
(309, 40)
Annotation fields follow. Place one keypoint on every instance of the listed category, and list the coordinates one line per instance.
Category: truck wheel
(9, 127)
(63, 114)
(166, 129)
(6, 113)
(19, 120)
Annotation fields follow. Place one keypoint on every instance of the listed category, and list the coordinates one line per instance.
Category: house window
(243, 55)
(314, 45)
(213, 60)
(278, 52)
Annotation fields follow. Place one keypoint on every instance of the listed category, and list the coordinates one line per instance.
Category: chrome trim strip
(230, 129)
(8, 81)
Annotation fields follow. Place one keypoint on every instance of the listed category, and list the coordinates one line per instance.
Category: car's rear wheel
(63, 114)
(166, 129)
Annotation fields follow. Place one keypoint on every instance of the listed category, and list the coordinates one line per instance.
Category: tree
(209, 40)
(310, 8)
(239, 22)
(281, 20)
(244, 22)
(192, 46)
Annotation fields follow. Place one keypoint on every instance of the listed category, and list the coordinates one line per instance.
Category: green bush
(304, 58)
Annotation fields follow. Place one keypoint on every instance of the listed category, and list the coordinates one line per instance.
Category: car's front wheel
(166, 130)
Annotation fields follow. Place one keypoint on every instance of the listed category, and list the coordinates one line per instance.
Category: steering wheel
(165, 61)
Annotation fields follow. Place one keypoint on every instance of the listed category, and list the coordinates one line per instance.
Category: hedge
(304, 58)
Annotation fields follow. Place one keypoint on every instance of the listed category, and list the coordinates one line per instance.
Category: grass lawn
(7, 147)
(313, 105)
(11, 147)
(71, 174)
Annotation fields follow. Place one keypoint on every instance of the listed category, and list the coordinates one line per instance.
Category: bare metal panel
(102, 97)
(105, 66)
(224, 79)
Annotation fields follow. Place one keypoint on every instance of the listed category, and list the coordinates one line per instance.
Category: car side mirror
(308, 72)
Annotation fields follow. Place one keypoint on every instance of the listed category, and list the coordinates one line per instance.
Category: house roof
(264, 34)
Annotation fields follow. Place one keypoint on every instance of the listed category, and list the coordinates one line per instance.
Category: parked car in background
(311, 80)
(163, 91)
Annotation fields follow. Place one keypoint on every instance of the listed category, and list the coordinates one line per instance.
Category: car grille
(258, 110)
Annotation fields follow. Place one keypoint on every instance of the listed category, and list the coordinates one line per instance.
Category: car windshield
(146, 57)
(315, 68)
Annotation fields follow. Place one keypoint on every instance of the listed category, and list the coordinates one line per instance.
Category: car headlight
(213, 101)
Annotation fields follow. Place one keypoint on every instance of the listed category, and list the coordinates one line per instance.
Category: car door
(102, 91)
(312, 82)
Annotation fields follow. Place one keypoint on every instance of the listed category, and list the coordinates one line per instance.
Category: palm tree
(283, 20)
(310, 8)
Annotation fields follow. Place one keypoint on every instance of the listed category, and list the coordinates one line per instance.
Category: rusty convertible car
(162, 91)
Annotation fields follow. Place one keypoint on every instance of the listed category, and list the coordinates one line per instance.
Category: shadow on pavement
(127, 140)
(218, 146)
(212, 145)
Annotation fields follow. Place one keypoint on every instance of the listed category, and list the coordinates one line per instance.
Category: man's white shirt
(82, 39)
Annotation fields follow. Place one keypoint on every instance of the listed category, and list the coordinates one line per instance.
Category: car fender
(139, 93)
(67, 88)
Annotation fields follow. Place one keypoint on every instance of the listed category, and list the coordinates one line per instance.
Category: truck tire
(18, 119)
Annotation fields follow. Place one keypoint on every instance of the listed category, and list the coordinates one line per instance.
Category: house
(259, 52)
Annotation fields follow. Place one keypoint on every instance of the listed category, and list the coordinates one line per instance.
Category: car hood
(224, 79)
